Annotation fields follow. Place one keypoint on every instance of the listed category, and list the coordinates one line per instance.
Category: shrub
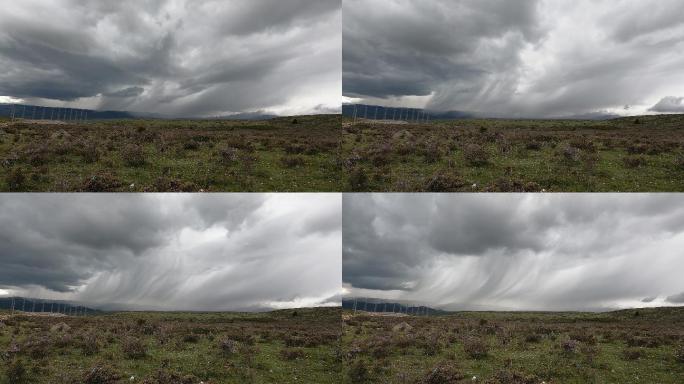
(228, 346)
(632, 353)
(679, 161)
(641, 341)
(679, 353)
(358, 179)
(570, 153)
(101, 374)
(229, 155)
(444, 182)
(89, 152)
(165, 377)
(191, 145)
(512, 377)
(292, 354)
(505, 184)
(15, 179)
(475, 155)
(533, 338)
(36, 154)
(533, 146)
(133, 348)
(291, 161)
(101, 182)
(358, 372)
(133, 155)
(295, 149)
(637, 149)
(634, 161)
(15, 371)
(190, 338)
(475, 348)
(569, 346)
(90, 345)
(37, 347)
(443, 373)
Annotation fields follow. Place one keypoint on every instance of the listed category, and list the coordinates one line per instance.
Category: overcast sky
(527, 58)
(515, 252)
(175, 57)
(166, 251)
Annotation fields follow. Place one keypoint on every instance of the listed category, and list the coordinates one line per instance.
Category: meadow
(295, 154)
(638, 154)
(289, 346)
(631, 346)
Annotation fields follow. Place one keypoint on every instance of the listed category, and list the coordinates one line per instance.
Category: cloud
(513, 251)
(174, 57)
(669, 104)
(676, 299)
(533, 58)
(205, 252)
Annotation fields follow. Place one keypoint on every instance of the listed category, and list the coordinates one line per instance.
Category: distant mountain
(65, 114)
(379, 306)
(25, 304)
(36, 112)
(378, 112)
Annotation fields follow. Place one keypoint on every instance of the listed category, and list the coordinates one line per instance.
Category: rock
(403, 135)
(402, 327)
(61, 327)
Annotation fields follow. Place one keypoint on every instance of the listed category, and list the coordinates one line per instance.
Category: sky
(214, 252)
(174, 57)
(586, 252)
(526, 58)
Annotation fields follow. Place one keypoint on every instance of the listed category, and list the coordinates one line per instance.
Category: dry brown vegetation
(516, 155)
(284, 347)
(633, 346)
(173, 156)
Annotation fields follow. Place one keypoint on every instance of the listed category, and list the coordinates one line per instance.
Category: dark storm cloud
(224, 251)
(514, 251)
(176, 57)
(670, 104)
(676, 299)
(532, 58)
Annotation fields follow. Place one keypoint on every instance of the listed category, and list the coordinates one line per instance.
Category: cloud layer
(539, 58)
(193, 252)
(510, 251)
(175, 57)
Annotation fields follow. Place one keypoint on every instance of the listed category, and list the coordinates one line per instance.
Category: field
(633, 346)
(626, 155)
(291, 346)
(283, 155)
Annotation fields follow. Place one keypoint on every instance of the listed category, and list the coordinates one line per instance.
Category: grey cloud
(670, 104)
(649, 299)
(537, 58)
(397, 48)
(222, 251)
(513, 251)
(127, 92)
(676, 299)
(173, 57)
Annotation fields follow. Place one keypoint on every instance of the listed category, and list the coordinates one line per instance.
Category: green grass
(182, 346)
(520, 347)
(255, 156)
(517, 155)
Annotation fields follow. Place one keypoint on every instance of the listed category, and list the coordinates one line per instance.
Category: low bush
(475, 347)
(133, 348)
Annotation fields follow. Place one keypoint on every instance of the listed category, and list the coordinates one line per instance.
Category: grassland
(634, 346)
(629, 154)
(292, 346)
(282, 155)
